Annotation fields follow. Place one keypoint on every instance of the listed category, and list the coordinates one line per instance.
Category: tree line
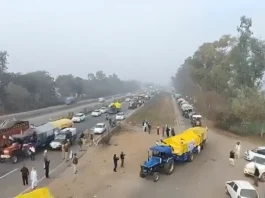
(34, 90)
(224, 79)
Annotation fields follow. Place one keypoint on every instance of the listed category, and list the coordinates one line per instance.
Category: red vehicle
(11, 127)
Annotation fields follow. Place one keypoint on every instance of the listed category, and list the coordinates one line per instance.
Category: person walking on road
(45, 156)
(157, 129)
(75, 162)
(163, 131)
(115, 161)
(47, 168)
(80, 141)
(25, 175)
(237, 150)
(232, 158)
(122, 156)
(145, 126)
(32, 152)
(256, 176)
(33, 178)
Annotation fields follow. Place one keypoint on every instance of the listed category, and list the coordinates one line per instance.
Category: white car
(120, 116)
(103, 109)
(127, 100)
(240, 189)
(250, 154)
(96, 113)
(260, 163)
(79, 117)
(100, 128)
(72, 130)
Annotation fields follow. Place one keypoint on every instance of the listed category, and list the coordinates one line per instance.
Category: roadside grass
(159, 110)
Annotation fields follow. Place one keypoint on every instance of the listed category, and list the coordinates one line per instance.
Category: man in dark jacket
(122, 156)
(256, 176)
(47, 168)
(115, 161)
(75, 162)
(25, 175)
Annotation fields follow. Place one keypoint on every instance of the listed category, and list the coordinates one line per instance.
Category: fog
(138, 39)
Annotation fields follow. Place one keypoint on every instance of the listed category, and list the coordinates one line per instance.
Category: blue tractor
(161, 160)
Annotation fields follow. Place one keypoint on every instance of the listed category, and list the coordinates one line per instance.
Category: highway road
(10, 178)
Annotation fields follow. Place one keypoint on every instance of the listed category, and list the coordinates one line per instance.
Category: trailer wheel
(191, 157)
(155, 176)
(169, 167)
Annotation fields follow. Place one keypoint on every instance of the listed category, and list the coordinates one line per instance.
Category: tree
(100, 75)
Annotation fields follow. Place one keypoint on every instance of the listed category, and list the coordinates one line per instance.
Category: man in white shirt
(237, 150)
(32, 153)
(33, 178)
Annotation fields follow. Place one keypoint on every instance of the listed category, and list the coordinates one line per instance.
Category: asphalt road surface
(44, 118)
(10, 177)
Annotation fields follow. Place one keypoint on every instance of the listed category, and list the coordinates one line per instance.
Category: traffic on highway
(10, 169)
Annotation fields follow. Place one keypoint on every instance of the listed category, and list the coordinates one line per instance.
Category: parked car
(100, 128)
(79, 117)
(103, 109)
(259, 152)
(59, 139)
(260, 163)
(96, 113)
(240, 189)
(120, 116)
(127, 100)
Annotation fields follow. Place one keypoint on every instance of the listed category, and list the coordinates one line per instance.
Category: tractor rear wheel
(155, 176)
(169, 167)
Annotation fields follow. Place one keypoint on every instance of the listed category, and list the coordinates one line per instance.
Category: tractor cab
(196, 120)
(161, 159)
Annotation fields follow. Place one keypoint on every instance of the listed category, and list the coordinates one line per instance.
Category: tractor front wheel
(142, 175)
(155, 176)
(169, 167)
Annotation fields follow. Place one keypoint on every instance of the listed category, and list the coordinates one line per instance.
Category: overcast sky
(137, 39)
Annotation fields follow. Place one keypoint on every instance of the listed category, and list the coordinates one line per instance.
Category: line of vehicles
(256, 156)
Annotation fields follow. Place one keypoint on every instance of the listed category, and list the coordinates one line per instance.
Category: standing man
(80, 142)
(33, 178)
(75, 162)
(256, 176)
(232, 158)
(47, 168)
(167, 131)
(157, 129)
(115, 161)
(122, 156)
(145, 126)
(173, 132)
(45, 156)
(143, 123)
(163, 131)
(63, 150)
(237, 149)
(32, 153)
(149, 128)
(25, 174)
(66, 149)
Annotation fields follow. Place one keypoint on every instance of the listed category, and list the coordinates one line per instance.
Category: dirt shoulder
(159, 110)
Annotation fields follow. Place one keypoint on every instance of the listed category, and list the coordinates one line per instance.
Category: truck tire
(191, 157)
(142, 175)
(169, 167)
(155, 176)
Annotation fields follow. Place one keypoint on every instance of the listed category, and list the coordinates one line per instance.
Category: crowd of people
(164, 131)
